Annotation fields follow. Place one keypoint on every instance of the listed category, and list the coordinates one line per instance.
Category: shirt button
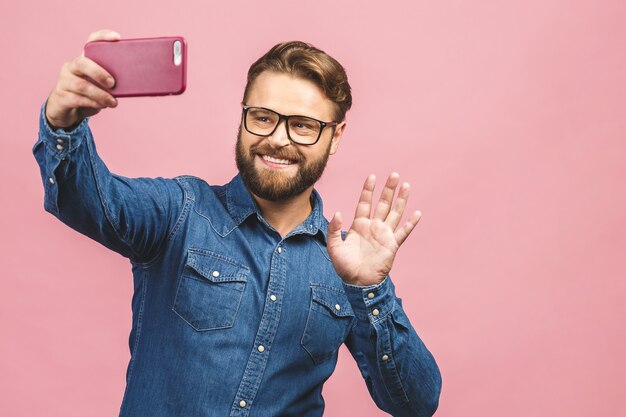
(60, 147)
(375, 312)
(59, 140)
(242, 403)
(261, 348)
(273, 297)
(385, 358)
(280, 250)
(370, 295)
(337, 307)
(51, 180)
(216, 274)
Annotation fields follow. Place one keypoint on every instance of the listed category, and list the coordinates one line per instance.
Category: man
(244, 292)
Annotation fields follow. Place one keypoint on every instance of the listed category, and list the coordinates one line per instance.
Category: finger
(334, 231)
(393, 219)
(404, 232)
(104, 35)
(85, 67)
(79, 86)
(386, 197)
(76, 101)
(364, 206)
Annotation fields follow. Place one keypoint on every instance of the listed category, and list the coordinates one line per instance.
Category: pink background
(507, 117)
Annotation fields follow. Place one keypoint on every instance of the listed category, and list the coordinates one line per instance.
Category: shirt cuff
(60, 141)
(372, 302)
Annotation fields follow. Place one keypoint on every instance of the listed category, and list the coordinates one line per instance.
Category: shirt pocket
(327, 325)
(210, 290)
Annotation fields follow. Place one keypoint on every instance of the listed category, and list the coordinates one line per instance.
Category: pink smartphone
(143, 67)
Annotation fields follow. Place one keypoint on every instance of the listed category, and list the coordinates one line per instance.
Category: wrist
(63, 123)
(67, 119)
(368, 281)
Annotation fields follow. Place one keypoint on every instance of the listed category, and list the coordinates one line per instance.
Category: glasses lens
(304, 130)
(261, 121)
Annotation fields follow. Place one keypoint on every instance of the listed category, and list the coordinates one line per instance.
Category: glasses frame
(282, 117)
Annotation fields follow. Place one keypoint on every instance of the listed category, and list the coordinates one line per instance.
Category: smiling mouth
(276, 161)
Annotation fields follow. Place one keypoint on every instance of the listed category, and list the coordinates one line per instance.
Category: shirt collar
(241, 205)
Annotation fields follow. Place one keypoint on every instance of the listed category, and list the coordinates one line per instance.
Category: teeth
(276, 160)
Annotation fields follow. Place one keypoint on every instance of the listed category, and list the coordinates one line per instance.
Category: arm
(399, 371)
(131, 216)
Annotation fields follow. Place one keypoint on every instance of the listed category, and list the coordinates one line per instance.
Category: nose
(279, 138)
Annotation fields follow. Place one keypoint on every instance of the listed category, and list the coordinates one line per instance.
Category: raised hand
(74, 96)
(366, 255)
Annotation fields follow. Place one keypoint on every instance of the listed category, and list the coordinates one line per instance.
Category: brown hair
(304, 60)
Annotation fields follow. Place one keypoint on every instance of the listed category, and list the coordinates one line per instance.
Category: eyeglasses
(302, 130)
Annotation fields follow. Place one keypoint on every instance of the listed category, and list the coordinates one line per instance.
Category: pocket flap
(333, 299)
(216, 267)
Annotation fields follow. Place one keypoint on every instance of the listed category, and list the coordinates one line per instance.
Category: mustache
(265, 149)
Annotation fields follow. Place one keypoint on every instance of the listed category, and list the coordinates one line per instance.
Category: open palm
(366, 255)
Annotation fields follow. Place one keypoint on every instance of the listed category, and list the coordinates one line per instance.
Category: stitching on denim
(219, 232)
(131, 365)
(222, 258)
(106, 209)
(219, 256)
(306, 325)
(388, 370)
(193, 326)
(51, 203)
(351, 317)
(323, 249)
(197, 328)
(330, 287)
(188, 201)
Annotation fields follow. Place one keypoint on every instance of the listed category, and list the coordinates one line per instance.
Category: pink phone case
(143, 67)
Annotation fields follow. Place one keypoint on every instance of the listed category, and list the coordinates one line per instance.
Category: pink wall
(507, 117)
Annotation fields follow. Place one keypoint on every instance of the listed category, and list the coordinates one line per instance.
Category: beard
(274, 185)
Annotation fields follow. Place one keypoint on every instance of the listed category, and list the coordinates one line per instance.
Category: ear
(334, 142)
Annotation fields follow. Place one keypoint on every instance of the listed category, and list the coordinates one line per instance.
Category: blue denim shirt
(229, 318)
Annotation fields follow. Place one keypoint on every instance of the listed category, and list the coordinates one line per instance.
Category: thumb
(104, 35)
(334, 231)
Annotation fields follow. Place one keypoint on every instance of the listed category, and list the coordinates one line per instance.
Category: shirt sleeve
(399, 371)
(132, 216)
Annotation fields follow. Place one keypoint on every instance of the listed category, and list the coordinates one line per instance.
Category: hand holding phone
(74, 97)
(111, 67)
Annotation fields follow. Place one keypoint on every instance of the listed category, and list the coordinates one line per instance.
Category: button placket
(266, 332)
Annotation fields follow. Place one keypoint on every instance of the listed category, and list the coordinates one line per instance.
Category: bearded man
(244, 292)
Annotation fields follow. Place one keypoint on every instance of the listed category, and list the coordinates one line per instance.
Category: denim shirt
(229, 318)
